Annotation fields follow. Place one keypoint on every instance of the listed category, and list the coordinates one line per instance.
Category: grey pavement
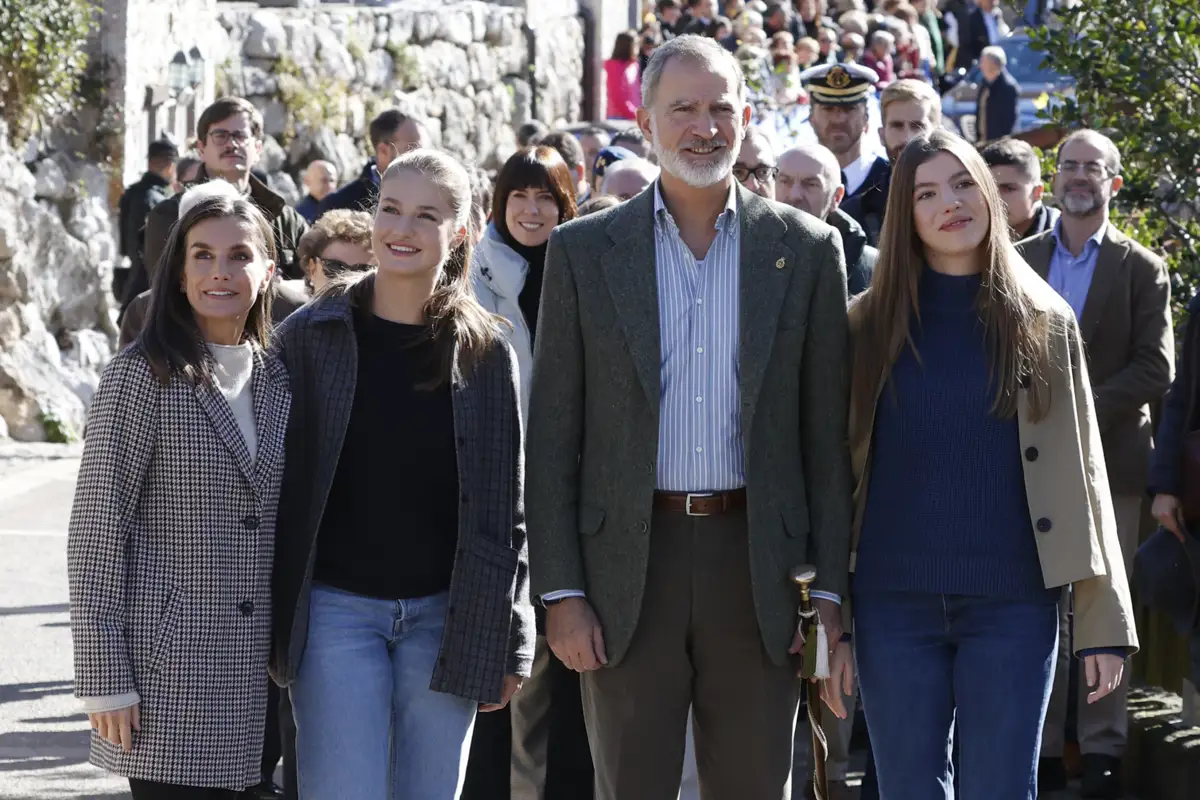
(43, 736)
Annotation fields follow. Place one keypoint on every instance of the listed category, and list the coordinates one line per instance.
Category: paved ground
(43, 737)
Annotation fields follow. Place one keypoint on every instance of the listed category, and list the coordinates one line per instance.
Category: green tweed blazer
(594, 412)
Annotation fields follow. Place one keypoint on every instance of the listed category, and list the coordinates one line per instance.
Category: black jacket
(860, 256)
(1178, 412)
(867, 204)
(287, 225)
(998, 107)
(135, 205)
(361, 194)
(1044, 219)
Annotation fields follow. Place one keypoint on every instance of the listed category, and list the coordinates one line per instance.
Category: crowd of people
(501, 481)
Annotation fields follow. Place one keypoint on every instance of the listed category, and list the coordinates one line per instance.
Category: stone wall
(319, 76)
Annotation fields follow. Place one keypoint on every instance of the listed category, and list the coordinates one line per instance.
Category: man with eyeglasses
(1121, 295)
(230, 136)
(810, 179)
(755, 166)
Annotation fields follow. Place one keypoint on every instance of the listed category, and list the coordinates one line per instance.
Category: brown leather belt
(700, 504)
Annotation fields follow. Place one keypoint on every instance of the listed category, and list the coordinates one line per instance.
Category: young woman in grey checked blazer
(401, 575)
(171, 536)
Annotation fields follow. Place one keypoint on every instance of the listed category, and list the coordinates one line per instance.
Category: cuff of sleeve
(112, 702)
(830, 596)
(1123, 652)
(561, 594)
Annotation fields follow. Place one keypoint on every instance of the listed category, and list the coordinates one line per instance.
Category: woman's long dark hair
(171, 339)
(625, 46)
(458, 323)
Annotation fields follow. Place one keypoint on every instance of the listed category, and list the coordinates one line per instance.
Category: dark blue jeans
(936, 666)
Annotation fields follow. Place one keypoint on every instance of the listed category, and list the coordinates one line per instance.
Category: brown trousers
(697, 644)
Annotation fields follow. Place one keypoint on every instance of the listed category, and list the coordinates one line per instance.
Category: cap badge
(838, 78)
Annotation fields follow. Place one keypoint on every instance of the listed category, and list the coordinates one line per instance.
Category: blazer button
(247, 608)
(1031, 454)
(1043, 525)
(650, 468)
(643, 527)
(250, 523)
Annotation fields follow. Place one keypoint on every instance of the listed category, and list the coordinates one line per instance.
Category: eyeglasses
(222, 137)
(333, 266)
(1092, 169)
(762, 173)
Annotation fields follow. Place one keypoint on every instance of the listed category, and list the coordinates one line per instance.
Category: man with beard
(908, 109)
(687, 447)
(839, 118)
(810, 179)
(1018, 174)
(1121, 295)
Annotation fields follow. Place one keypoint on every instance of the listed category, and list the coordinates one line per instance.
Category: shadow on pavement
(24, 692)
(39, 750)
(55, 608)
(79, 717)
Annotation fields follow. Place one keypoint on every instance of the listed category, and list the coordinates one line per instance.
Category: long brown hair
(458, 323)
(1016, 331)
(171, 339)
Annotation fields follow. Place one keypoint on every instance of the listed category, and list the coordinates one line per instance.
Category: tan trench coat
(1066, 483)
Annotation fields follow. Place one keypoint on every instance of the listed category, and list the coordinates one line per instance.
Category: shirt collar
(663, 214)
(1097, 237)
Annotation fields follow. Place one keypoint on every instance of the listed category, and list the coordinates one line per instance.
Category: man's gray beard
(1081, 207)
(694, 176)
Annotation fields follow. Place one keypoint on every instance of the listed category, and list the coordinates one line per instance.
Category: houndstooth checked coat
(489, 626)
(169, 558)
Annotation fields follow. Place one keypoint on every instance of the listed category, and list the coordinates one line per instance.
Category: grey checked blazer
(169, 555)
(489, 627)
(594, 411)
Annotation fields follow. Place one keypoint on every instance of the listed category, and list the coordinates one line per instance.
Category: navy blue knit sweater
(946, 509)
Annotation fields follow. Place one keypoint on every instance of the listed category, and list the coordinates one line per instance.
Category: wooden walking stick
(815, 665)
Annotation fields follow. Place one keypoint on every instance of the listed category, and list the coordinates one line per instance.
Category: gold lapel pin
(780, 264)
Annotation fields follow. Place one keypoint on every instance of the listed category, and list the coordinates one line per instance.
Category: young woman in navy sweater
(981, 492)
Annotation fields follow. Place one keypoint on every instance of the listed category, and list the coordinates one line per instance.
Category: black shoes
(264, 791)
(1052, 775)
(1101, 777)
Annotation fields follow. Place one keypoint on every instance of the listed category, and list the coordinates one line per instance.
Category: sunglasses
(333, 266)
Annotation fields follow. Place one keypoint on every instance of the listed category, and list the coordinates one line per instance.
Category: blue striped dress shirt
(700, 423)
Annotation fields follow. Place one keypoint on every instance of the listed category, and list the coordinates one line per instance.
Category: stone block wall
(320, 75)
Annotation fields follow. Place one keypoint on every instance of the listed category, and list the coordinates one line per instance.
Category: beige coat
(1066, 483)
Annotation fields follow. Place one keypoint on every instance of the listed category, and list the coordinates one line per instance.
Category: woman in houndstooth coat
(171, 538)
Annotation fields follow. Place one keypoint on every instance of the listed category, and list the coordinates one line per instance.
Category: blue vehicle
(1041, 89)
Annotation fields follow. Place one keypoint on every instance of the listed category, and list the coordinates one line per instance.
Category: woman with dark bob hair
(401, 577)
(534, 193)
(171, 538)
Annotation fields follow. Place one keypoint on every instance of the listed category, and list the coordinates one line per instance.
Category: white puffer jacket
(499, 276)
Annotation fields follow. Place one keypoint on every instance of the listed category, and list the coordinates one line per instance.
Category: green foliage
(406, 66)
(42, 58)
(311, 100)
(57, 430)
(1137, 69)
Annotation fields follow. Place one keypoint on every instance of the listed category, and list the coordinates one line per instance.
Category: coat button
(1043, 525)
(247, 608)
(643, 527)
(1031, 454)
(250, 523)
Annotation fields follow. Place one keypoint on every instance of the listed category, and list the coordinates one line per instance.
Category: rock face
(56, 333)
(321, 74)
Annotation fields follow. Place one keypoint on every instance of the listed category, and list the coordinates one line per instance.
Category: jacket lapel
(630, 271)
(1038, 253)
(272, 402)
(764, 274)
(1108, 266)
(221, 416)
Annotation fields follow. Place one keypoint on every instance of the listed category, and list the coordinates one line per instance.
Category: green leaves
(42, 58)
(1137, 69)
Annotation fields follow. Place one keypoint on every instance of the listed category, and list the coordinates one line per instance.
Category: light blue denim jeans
(367, 724)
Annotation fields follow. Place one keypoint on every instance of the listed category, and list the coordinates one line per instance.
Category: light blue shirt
(1071, 276)
(700, 423)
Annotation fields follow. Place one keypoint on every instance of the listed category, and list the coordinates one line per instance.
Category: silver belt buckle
(687, 506)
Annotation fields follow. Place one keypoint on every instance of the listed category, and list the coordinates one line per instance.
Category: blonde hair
(461, 329)
(917, 91)
(1016, 331)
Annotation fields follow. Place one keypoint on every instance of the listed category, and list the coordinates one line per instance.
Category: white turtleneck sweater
(234, 368)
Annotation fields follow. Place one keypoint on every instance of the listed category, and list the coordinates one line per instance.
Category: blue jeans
(932, 667)
(367, 724)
